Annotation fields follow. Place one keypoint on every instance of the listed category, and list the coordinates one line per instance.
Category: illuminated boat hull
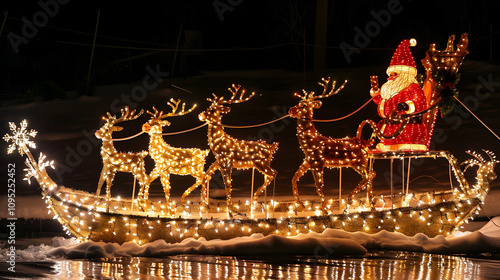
(99, 218)
(121, 225)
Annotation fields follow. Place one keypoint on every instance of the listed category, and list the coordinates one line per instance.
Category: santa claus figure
(401, 94)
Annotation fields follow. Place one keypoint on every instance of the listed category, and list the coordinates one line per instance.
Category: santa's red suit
(410, 99)
(414, 136)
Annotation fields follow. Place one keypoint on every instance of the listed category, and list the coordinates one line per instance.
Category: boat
(95, 217)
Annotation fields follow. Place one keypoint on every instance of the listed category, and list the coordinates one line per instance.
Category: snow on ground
(329, 243)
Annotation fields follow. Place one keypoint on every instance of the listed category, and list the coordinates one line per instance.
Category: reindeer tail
(274, 147)
(205, 153)
(367, 142)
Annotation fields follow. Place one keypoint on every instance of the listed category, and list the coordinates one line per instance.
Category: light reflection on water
(379, 265)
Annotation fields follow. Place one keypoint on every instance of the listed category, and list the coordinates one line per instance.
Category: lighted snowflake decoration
(42, 164)
(20, 137)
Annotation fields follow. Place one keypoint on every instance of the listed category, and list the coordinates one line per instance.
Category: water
(374, 265)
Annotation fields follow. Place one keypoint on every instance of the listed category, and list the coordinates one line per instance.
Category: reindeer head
(309, 102)
(486, 169)
(155, 124)
(214, 112)
(109, 127)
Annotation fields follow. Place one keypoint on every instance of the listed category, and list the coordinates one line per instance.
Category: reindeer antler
(303, 97)
(325, 84)
(175, 106)
(156, 114)
(127, 115)
(234, 89)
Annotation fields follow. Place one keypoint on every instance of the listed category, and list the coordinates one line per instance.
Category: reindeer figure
(169, 160)
(233, 153)
(321, 151)
(114, 161)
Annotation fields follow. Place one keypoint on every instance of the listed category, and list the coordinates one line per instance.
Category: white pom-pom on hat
(413, 42)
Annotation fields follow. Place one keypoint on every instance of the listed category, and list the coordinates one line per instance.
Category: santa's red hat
(402, 60)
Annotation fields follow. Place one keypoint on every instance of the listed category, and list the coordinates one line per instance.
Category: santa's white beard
(393, 87)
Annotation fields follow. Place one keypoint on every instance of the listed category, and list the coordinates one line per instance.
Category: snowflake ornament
(20, 137)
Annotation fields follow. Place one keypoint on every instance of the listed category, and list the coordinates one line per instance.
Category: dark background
(252, 35)
(268, 46)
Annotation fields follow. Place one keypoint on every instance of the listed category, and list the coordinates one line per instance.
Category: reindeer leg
(202, 178)
(206, 176)
(358, 188)
(165, 182)
(143, 195)
(140, 174)
(143, 178)
(226, 175)
(152, 176)
(366, 183)
(318, 179)
(269, 176)
(298, 174)
(199, 180)
(109, 182)
(369, 188)
(101, 180)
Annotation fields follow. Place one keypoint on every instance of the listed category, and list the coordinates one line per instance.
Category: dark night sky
(271, 34)
(129, 28)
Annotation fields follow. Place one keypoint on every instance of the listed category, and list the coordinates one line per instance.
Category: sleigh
(92, 216)
(440, 93)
